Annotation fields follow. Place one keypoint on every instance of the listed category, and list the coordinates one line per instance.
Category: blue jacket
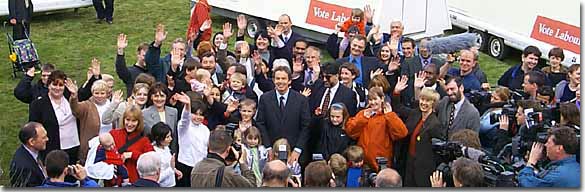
(87, 182)
(562, 173)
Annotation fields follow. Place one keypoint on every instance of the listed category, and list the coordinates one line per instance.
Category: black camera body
(369, 176)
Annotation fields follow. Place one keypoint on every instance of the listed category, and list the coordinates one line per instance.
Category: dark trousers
(18, 30)
(104, 12)
(185, 181)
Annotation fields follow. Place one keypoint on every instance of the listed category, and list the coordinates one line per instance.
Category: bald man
(388, 178)
(275, 174)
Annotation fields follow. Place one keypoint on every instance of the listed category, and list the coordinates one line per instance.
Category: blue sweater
(87, 182)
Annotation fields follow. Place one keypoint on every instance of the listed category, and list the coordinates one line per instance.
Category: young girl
(161, 137)
(193, 136)
(333, 137)
(257, 154)
(376, 128)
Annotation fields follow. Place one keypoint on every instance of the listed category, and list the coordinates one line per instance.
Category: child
(108, 153)
(257, 154)
(201, 80)
(355, 161)
(161, 137)
(357, 20)
(338, 165)
(244, 116)
(238, 90)
(281, 150)
(333, 137)
(216, 94)
(193, 137)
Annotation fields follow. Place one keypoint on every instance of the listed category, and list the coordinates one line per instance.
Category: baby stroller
(22, 52)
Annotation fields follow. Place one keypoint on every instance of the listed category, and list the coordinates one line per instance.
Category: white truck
(505, 24)
(316, 19)
(49, 5)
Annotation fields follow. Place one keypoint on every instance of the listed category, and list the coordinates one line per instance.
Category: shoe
(109, 22)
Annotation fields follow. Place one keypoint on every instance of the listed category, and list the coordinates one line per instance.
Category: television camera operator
(563, 169)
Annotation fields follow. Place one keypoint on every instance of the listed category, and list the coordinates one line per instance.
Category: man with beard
(513, 78)
(284, 113)
(456, 112)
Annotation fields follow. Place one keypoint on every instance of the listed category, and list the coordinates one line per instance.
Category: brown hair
(204, 47)
(248, 102)
(466, 137)
(351, 67)
(354, 153)
(57, 75)
(380, 81)
(358, 12)
(375, 92)
(503, 93)
(134, 112)
(468, 172)
(145, 78)
(557, 52)
(570, 113)
(254, 132)
(317, 174)
(338, 165)
(566, 137)
(142, 46)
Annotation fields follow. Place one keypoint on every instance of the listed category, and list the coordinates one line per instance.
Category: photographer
(466, 173)
(212, 172)
(488, 127)
(275, 174)
(319, 174)
(562, 171)
(504, 135)
(57, 166)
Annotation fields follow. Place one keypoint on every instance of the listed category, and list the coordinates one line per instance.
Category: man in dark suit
(363, 63)
(417, 63)
(26, 169)
(303, 72)
(284, 113)
(288, 36)
(455, 111)
(337, 94)
(208, 63)
(431, 75)
(20, 14)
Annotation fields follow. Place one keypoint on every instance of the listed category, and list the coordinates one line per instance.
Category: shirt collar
(35, 155)
(459, 103)
(358, 59)
(285, 94)
(334, 88)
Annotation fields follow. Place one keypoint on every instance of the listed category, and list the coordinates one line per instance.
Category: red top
(348, 23)
(138, 148)
(113, 157)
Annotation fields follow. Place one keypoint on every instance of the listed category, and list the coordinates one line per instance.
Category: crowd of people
(271, 114)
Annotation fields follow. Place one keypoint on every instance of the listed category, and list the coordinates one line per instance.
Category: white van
(49, 5)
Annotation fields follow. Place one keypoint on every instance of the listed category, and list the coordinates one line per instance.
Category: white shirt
(458, 106)
(167, 173)
(68, 135)
(104, 128)
(192, 139)
(331, 95)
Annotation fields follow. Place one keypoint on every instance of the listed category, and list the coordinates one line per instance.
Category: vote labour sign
(326, 15)
(557, 33)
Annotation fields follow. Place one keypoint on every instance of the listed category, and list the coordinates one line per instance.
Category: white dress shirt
(167, 173)
(192, 139)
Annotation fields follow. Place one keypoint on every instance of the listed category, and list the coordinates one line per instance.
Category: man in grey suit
(455, 112)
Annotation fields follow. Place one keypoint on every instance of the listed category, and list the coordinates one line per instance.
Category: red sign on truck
(326, 15)
(557, 33)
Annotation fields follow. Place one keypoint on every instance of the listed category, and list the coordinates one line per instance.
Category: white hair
(148, 164)
(280, 62)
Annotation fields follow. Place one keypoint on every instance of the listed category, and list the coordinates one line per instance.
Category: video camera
(495, 174)
(370, 176)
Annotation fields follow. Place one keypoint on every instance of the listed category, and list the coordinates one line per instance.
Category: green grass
(71, 40)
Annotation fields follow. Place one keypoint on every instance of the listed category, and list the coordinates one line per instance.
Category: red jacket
(138, 148)
(376, 135)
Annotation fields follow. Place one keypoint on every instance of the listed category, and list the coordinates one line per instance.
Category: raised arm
(121, 68)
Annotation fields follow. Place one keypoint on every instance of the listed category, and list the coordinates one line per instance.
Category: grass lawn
(71, 40)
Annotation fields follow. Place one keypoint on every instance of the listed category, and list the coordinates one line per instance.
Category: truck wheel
(497, 48)
(482, 39)
(254, 25)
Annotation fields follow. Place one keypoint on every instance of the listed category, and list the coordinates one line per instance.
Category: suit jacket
(368, 64)
(291, 41)
(151, 117)
(24, 170)
(466, 118)
(41, 111)
(292, 124)
(410, 67)
(17, 10)
(342, 95)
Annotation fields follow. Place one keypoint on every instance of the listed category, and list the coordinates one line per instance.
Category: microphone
(452, 43)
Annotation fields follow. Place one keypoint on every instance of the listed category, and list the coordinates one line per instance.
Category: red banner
(557, 33)
(326, 15)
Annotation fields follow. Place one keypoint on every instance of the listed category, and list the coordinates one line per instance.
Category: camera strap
(219, 176)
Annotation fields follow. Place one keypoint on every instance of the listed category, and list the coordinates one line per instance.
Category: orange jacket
(348, 23)
(376, 135)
